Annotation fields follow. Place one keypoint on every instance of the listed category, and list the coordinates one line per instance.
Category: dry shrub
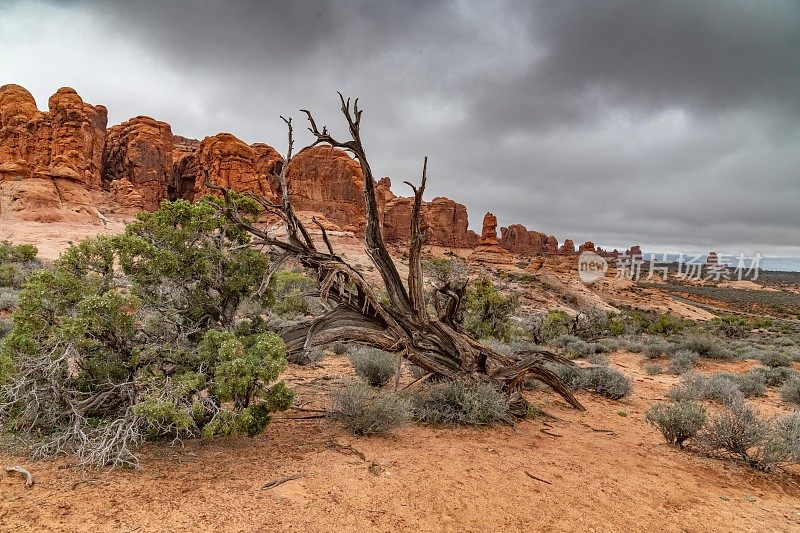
(653, 368)
(459, 403)
(374, 366)
(790, 391)
(608, 382)
(775, 376)
(682, 361)
(735, 430)
(369, 412)
(776, 358)
(707, 346)
(690, 388)
(678, 421)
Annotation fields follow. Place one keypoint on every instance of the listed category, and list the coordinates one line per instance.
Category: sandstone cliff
(63, 164)
(50, 161)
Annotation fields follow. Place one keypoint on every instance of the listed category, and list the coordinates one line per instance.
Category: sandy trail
(607, 471)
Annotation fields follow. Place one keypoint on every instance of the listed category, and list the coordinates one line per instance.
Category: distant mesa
(65, 164)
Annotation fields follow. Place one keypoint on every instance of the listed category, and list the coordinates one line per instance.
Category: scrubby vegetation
(456, 402)
(374, 366)
(682, 361)
(653, 368)
(737, 431)
(602, 379)
(790, 391)
(135, 337)
(489, 311)
(291, 298)
(367, 411)
(17, 263)
(707, 346)
(678, 421)
(608, 382)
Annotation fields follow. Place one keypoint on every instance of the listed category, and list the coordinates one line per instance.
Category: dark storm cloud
(708, 56)
(673, 124)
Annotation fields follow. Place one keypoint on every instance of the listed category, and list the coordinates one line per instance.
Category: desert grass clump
(707, 346)
(784, 441)
(790, 391)
(608, 382)
(611, 344)
(598, 359)
(573, 376)
(580, 349)
(775, 358)
(722, 388)
(575, 347)
(656, 348)
(751, 384)
(737, 431)
(678, 422)
(374, 366)
(682, 361)
(307, 357)
(690, 388)
(8, 299)
(339, 348)
(5, 327)
(366, 411)
(653, 369)
(634, 346)
(775, 376)
(456, 402)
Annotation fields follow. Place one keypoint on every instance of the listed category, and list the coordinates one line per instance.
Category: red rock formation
(78, 138)
(588, 246)
(64, 163)
(66, 142)
(517, 239)
(326, 180)
(140, 153)
(489, 230)
(445, 221)
(551, 246)
(568, 248)
(536, 264)
(489, 249)
(182, 146)
(634, 251)
(604, 253)
(51, 159)
(230, 162)
(712, 258)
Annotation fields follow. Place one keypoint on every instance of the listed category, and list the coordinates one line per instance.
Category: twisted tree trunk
(402, 325)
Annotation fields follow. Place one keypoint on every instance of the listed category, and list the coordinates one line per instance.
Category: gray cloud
(672, 124)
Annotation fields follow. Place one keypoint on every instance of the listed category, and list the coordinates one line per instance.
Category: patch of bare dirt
(601, 470)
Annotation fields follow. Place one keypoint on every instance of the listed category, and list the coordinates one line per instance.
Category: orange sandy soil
(602, 472)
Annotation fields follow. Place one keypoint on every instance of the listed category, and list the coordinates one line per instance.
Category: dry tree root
(346, 449)
(23, 472)
(537, 478)
(275, 482)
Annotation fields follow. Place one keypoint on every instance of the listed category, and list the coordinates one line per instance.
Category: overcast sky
(672, 124)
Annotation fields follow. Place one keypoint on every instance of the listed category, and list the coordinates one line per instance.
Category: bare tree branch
(401, 325)
(415, 282)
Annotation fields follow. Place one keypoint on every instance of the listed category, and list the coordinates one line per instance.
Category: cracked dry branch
(401, 324)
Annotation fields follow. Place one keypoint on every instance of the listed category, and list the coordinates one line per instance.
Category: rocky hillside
(65, 164)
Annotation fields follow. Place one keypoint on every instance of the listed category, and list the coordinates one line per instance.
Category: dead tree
(403, 324)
